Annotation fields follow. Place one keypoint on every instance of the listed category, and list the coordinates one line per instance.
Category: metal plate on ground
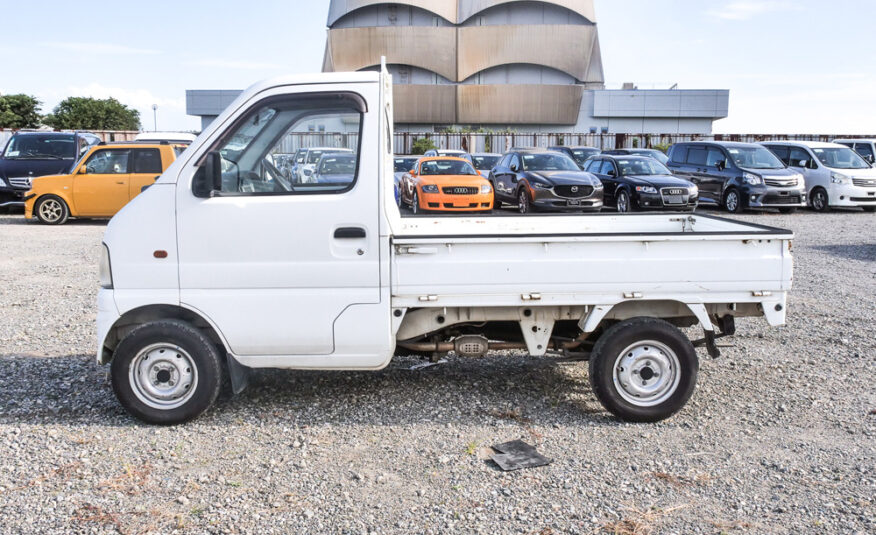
(517, 454)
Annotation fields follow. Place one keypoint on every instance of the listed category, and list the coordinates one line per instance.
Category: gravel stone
(780, 436)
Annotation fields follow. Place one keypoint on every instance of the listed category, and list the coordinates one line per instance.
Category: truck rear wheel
(643, 370)
(166, 372)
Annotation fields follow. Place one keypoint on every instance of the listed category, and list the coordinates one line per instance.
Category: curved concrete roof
(454, 11)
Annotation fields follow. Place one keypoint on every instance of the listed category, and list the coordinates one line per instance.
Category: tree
(19, 111)
(421, 145)
(85, 113)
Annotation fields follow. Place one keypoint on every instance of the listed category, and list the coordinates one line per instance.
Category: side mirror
(721, 165)
(83, 170)
(611, 172)
(514, 168)
(413, 172)
(209, 178)
(308, 172)
(871, 158)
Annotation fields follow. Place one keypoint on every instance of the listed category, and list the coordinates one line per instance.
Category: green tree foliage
(421, 145)
(19, 111)
(85, 113)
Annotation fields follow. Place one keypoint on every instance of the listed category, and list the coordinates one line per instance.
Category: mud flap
(239, 374)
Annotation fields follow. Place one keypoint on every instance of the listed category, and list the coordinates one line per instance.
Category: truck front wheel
(166, 372)
(643, 370)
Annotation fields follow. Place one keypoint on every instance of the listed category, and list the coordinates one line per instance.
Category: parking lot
(778, 437)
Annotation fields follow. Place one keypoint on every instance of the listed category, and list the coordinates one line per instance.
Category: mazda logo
(574, 189)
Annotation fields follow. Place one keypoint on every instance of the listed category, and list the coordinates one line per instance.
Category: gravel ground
(780, 436)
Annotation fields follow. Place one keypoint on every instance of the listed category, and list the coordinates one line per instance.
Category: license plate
(574, 203)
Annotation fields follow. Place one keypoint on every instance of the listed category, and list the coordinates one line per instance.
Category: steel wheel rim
(51, 210)
(523, 201)
(732, 201)
(622, 205)
(646, 373)
(163, 376)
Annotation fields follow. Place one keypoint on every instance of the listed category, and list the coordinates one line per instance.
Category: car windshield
(548, 162)
(403, 165)
(652, 153)
(581, 155)
(642, 167)
(446, 167)
(485, 163)
(41, 147)
(840, 158)
(754, 158)
(338, 165)
(314, 155)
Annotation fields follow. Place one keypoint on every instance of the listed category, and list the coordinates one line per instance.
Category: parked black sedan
(642, 183)
(579, 154)
(544, 180)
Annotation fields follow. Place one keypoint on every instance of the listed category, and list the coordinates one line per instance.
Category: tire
(819, 200)
(524, 204)
(623, 203)
(733, 201)
(181, 381)
(415, 203)
(51, 210)
(787, 210)
(633, 348)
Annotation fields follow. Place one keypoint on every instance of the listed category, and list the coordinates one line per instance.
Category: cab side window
(865, 150)
(714, 156)
(696, 156)
(679, 154)
(108, 162)
(146, 161)
(799, 155)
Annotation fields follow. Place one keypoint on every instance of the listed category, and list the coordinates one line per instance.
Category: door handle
(120, 183)
(349, 233)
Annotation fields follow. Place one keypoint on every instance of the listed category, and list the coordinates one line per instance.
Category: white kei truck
(223, 266)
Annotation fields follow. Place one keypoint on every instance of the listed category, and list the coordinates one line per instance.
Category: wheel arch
(148, 313)
(71, 208)
(676, 312)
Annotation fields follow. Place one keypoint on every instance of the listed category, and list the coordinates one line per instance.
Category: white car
(835, 175)
(865, 147)
(242, 268)
(311, 158)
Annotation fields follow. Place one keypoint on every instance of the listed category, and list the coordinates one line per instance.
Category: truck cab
(225, 265)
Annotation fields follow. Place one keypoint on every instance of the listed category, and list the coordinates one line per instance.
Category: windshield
(581, 155)
(485, 163)
(314, 156)
(548, 162)
(642, 167)
(446, 167)
(338, 165)
(41, 147)
(754, 158)
(840, 158)
(403, 165)
(652, 153)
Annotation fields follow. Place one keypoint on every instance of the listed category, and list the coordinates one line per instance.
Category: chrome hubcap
(818, 201)
(732, 201)
(51, 210)
(622, 205)
(163, 376)
(646, 373)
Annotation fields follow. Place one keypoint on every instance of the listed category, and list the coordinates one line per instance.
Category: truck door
(102, 189)
(285, 268)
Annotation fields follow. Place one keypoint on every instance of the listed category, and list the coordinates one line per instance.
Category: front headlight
(105, 271)
(486, 188)
(646, 189)
(597, 184)
(430, 188)
(839, 178)
(752, 179)
(541, 185)
(693, 191)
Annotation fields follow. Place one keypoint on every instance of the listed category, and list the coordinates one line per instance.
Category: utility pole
(155, 117)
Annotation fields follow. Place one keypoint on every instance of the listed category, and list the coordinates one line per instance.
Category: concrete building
(521, 65)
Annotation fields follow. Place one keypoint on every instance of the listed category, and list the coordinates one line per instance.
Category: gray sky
(801, 66)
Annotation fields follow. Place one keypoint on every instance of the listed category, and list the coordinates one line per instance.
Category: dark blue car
(28, 155)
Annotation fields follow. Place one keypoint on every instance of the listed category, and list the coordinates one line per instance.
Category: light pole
(155, 117)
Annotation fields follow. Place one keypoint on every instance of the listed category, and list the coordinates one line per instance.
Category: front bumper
(550, 200)
(851, 196)
(11, 197)
(659, 201)
(445, 202)
(772, 197)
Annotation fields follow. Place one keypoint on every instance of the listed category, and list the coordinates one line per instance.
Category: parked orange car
(446, 184)
(100, 183)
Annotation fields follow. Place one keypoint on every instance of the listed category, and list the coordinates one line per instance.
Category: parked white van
(864, 147)
(311, 158)
(224, 263)
(835, 175)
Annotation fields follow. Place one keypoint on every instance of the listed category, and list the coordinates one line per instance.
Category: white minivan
(835, 175)
(864, 147)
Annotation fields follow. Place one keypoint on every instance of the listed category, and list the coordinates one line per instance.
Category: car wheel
(166, 372)
(643, 370)
(415, 203)
(819, 200)
(732, 201)
(524, 205)
(623, 202)
(51, 210)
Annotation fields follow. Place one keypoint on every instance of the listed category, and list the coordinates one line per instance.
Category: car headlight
(753, 179)
(541, 185)
(693, 191)
(597, 184)
(646, 189)
(430, 188)
(486, 188)
(105, 272)
(839, 178)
